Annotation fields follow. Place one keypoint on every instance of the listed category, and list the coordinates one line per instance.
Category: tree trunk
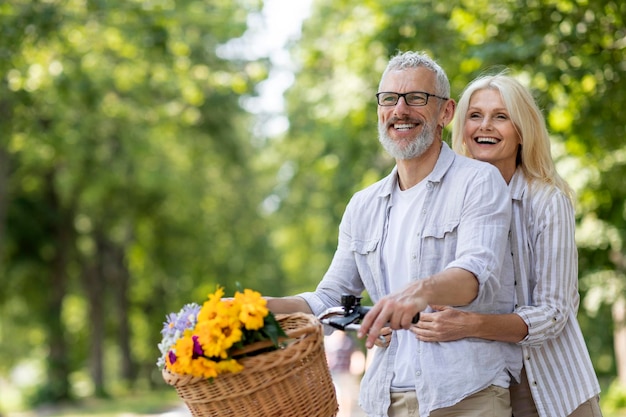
(58, 360)
(6, 114)
(93, 279)
(4, 203)
(121, 280)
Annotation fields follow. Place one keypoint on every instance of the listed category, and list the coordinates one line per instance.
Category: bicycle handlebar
(350, 314)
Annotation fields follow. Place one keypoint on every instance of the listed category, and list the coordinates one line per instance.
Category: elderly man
(434, 231)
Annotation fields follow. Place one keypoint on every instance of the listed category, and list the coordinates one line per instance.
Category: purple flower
(172, 356)
(178, 323)
(197, 348)
(174, 327)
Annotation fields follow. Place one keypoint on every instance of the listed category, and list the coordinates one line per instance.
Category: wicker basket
(290, 382)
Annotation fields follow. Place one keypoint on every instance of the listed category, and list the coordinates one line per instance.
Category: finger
(374, 330)
(383, 340)
(368, 320)
(424, 325)
(385, 331)
(425, 317)
(407, 321)
(418, 333)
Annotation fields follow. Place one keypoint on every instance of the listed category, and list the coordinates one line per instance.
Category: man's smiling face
(407, 131)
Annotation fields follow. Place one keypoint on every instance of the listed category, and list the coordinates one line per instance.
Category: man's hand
(395, 311)
(385, 338)
(444, 325)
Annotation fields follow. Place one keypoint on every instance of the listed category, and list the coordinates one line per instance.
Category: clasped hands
(395, 311)
(444, 324)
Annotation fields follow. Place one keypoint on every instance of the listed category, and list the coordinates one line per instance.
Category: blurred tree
(129, 177)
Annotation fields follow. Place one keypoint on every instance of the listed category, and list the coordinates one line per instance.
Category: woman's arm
(447, 324)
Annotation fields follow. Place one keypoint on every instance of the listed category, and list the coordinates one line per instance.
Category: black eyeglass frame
(403, 95)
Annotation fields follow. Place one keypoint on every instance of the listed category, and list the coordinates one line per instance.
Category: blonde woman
(498, 121)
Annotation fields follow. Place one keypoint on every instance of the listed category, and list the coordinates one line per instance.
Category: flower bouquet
(233, 357)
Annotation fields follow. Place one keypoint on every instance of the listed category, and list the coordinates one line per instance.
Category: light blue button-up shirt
(464, 224)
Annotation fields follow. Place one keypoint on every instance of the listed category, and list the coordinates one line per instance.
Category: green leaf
(272, 329)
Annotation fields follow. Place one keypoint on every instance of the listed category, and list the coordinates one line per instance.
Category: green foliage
(614, 399)
(130, 180)
(129, 183)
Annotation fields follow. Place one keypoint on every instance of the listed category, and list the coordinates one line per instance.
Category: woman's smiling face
(489, 133)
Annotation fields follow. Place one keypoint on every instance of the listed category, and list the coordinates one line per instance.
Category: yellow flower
(205, 368)
(184, 354)
(218, 326)
(211, 307)
(229, 366)
(216, 338)
(253, 309)
(204, 349)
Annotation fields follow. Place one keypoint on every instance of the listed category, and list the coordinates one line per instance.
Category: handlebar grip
(363, 310)
(416, 318)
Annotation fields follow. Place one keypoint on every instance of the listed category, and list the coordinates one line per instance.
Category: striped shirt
(559, 369)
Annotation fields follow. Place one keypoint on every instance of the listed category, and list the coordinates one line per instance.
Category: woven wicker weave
(290, 382)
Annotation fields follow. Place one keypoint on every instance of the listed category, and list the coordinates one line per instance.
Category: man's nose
(401, 106)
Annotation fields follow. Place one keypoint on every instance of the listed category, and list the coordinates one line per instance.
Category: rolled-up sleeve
(483, 232)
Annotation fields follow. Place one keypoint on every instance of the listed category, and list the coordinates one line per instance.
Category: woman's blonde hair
(534, 155)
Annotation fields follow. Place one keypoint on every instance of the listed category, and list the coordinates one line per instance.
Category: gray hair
(412, 60)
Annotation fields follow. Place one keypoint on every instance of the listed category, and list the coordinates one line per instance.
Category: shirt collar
(517, 186)
(446, 157)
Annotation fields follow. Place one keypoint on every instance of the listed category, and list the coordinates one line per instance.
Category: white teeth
(487, 140)
(403, 126)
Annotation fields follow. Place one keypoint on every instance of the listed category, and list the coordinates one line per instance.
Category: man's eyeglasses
(413, 98)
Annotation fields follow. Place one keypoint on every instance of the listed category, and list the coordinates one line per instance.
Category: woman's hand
(445, 324)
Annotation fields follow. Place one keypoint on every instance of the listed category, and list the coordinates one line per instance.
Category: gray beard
(416, 147)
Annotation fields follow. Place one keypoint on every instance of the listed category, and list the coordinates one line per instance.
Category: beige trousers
(491, 402)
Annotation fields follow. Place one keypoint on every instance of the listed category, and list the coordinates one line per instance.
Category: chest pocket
(438, 246)
(364, 247)
(367, 260)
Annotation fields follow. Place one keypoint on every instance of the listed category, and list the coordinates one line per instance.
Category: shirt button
(418, 373)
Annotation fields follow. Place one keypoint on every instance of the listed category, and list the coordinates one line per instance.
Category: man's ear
(447, 113)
